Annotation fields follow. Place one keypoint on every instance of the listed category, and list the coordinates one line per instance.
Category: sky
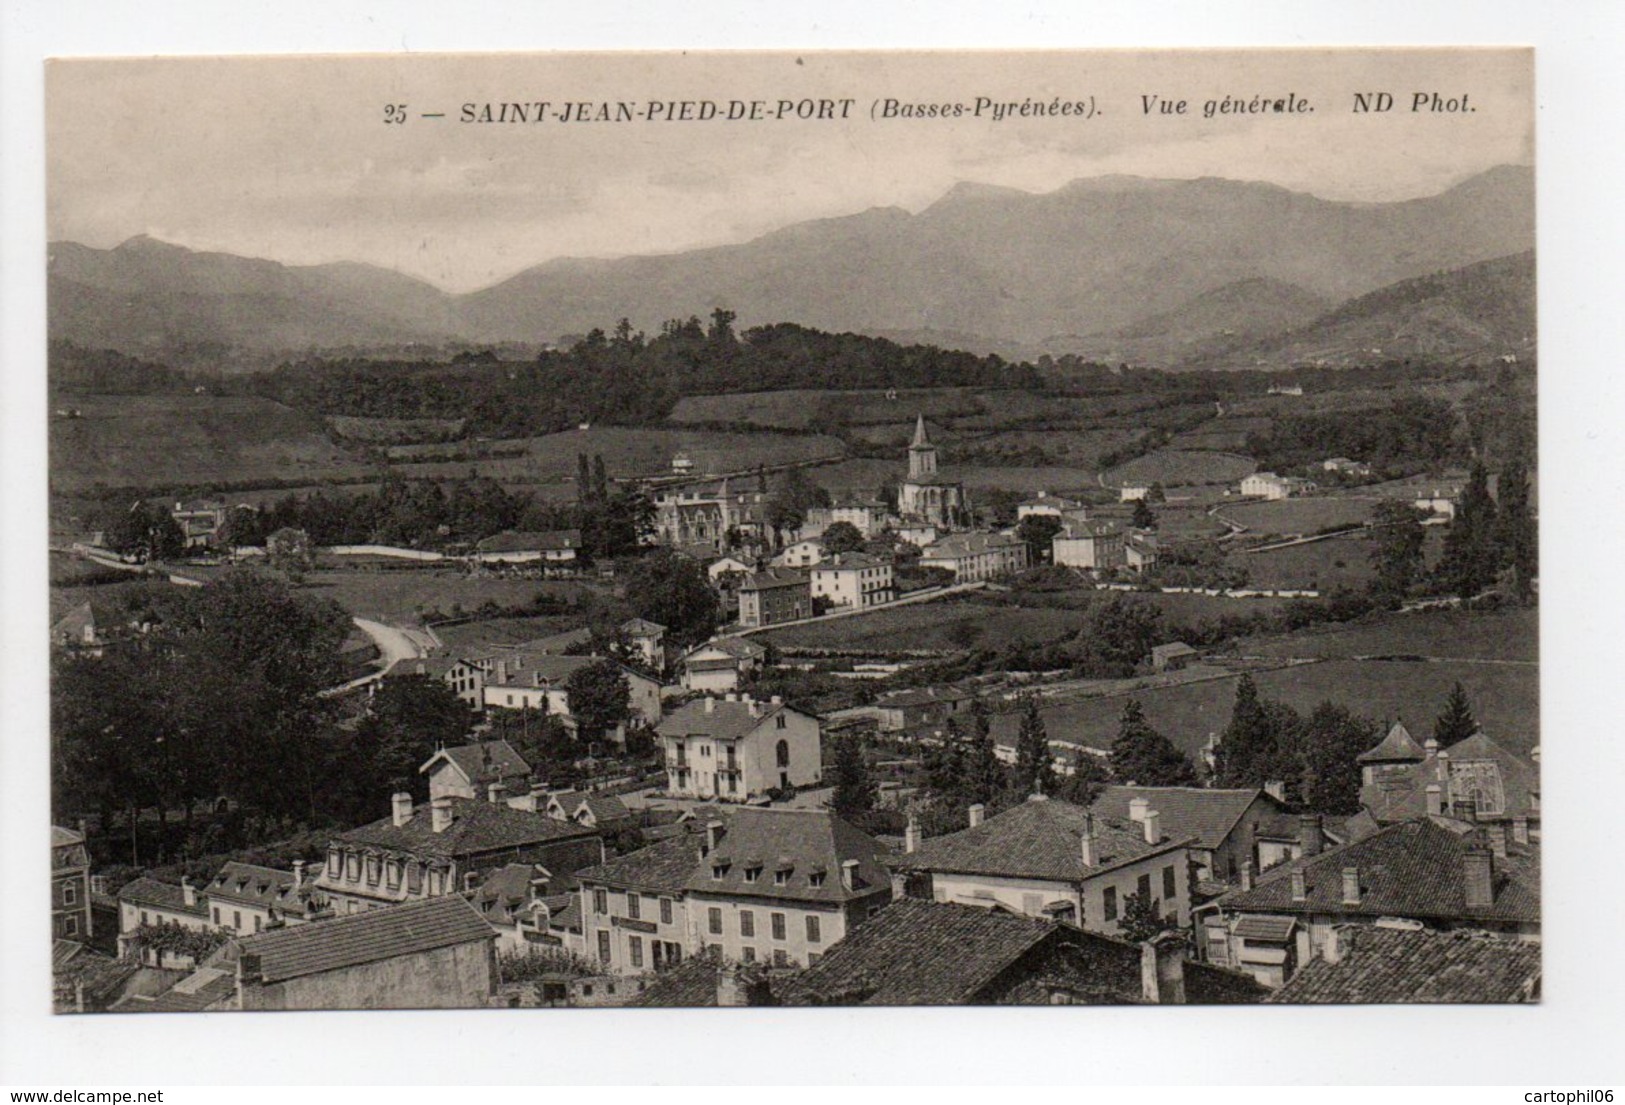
(290, 158)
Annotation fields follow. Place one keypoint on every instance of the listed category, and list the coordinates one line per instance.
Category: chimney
(1087, 843)
(1479, 869)
(401, 808)
(495, 793)
(440, 814)
(1246, 874)
(1520, 830)
(1137, 808)
(298, 873)
(710, 705)
(1339, 942)
(1435, 800)
(713, 836)
(731, 697)
(1351, 886)
(188, 891)
(1276, 789)
(849, 874)
(777, 700)
(1153, 827)
(737, 987)
(754, 706)
(911, 835)
(1431, 747)
(1442, 760)
(1311, 835)
(977, 812)
(1498, 839)
(1162, 970)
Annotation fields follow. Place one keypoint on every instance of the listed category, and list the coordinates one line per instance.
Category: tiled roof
(524, 669)
(923, 696)
(164, 895)
(851, 562)
(690, 985)
(377, 934)
(477, 826)
(738, 647)
(1414, 869)
(505, 891)
(532, 542)
(769, 578)
(641, 627)
(1397, 747)
(556, 643)
(916, 952)
(1271, 929)
(724, 721)
(968, 544)
(484, 762)
(1403, 794)
(196, 992)
(62, 838)
(435, 666)
(1041, 838)
(1173, 648)
(724, 663)
(264, 886)
(1385, 965)
(664, 867)
(806, 844)
(1078, 530)
(605, 807)
(1208, 815)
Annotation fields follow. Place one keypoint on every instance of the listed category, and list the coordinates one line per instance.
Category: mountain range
(1153, 271)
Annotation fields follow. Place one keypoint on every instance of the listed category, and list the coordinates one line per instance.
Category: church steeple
(922, 455)
(919, 432)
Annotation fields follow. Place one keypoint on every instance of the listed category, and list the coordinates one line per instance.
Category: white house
(854, 580)
(1050, 506)
(801, 554)
(558, 547)
(976, 556)
(737, 747)
(716, 667)
(1267, 485)
(1097, 546)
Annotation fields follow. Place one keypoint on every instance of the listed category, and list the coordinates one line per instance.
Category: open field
(1301, 517)
(1171, 467)
(865, 475)
(502, 631)
(1501, 635)
(794, 409)
(402, 597)
(119, 440)
(1320, 565)
(1506, 701)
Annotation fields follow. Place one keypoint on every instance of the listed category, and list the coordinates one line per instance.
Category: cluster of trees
(1488, 537)
(1314, 757)
(1413, 433)
(1114, 639)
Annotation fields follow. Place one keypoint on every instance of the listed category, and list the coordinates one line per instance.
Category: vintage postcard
(795, 529)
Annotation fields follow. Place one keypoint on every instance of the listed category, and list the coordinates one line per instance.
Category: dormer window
(781, 878)
(752, 874)
(816, 878)
(720, 870)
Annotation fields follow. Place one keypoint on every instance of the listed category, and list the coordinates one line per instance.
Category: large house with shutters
(736, 748)
(70, 885)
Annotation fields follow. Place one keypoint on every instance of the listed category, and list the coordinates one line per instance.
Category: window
(634, 905)
(781, 722)
(714, 919)
(144, 917)
(781, 958)
(414, 877)
(1169, 888)
(635, 946)
(1143, 887)
(603, 947)
(748, 954)
(751, 873)
(237, 919)
(815, 879)
(665, 911)
(257, 924)
(393, 873)
(70, 894)
(335, 862)
(217, 915)
(747, 923)
(1108, 903)
(781, 878)
(781, 752)
(778, 926)
(600, 901)
(813, 934)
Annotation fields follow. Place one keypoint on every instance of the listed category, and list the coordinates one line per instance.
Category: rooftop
(482, 762)
(249, 882)
(1513, 782)
(163, 895)
(1397, 747)
(549, 541)
(378, 934)
(1041, 838)
(1208, 815)
(726, 719)
(477, 826)
(770, 578)
(640, 627)
(969, 544)
(1388, 965)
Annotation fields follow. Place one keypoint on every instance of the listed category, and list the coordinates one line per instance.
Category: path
(394, 645)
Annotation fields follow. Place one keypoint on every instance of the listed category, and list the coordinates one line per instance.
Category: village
(717, 787)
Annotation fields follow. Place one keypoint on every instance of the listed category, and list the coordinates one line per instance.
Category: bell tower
(922, 455)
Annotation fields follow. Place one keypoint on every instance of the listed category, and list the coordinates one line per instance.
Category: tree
(600, 698)
(855, 790)
(289, 551)
(1120, 634)
(984, 774)
(843, 537)
(1515, 530)
(791, 499)
(672, 591)
(1035, 763)
(944, 763)
(1261, 743)
(1142, 919)
(409, 717)
(1144, 516)
(1145, 757)
(1456, 723)
(1038, 532)
(1397, 556)
(1082, 787)
(1471, 559)
(146, 530)
(1333, 739)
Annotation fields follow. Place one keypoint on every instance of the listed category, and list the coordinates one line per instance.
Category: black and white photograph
(793, 529)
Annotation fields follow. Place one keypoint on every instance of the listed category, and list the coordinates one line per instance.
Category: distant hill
(1477, 312)
(1122, 260)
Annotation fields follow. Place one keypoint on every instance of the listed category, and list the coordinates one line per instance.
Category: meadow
(1174, 467)
(1301, 517)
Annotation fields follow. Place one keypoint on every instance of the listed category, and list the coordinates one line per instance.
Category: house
(1051, 506)
(84, 980)
(800, 554)
(1365, 965)
(1134, 492)
(1429, 872)
(146, 902)
(520, 901)
(715, 519)
(723, 567)
(552, 548)
(1343, 466)
(1047, 858)
(520, 680)
(1174, 656)
(681, 464)
(594, 810)
(916, 952)
(200, 521)
(81, 629)
(927, 495)
(1267, 485)
(648, 640)
(976, 556)
(1141, 552)
(716, 667)
(70, 886)
(866, 517)
(775, 886)
(736, 748)
(853, 580)
(1475, 779)
(246, 898)
(470, 770)
(774, 595)
(921, 708)
(466, 680)
(1097, 546)
(1222, 824)
(432, 954)
(443, 847)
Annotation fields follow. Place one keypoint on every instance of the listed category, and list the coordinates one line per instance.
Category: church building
(927, 495)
